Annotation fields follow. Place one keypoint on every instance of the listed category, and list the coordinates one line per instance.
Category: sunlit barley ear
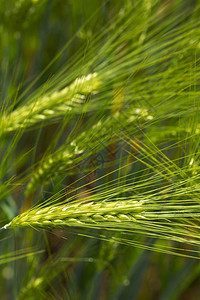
(52, 106)
(157, 212)
(103, 214)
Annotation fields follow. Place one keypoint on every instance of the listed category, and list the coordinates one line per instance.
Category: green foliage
(99, 147)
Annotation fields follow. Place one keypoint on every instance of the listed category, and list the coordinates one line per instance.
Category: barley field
(99, 149)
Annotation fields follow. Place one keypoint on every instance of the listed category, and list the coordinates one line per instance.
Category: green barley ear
(162, 213)
(80, 215)
(85, 213)
(52, 106)
(89, 142)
